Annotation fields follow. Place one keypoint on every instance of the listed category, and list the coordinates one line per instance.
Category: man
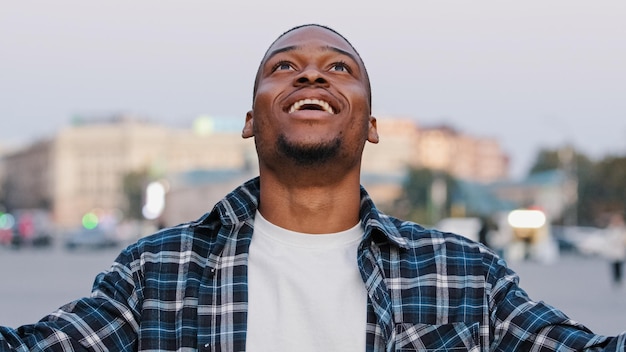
(300, 259)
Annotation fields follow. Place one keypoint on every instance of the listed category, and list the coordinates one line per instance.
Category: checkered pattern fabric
(185, 288)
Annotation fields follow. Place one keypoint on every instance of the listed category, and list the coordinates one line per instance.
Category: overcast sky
(533, 73)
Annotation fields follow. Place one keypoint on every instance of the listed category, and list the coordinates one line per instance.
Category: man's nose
(311, 76)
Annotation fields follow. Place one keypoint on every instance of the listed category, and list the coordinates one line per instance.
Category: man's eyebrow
(296, 47)
(342, 52)
(281, 50)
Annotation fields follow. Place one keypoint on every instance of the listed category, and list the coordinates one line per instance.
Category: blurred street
(34, 282)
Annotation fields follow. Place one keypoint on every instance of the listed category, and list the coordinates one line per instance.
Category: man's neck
(310, 206)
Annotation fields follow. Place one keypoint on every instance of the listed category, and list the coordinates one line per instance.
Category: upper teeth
(324, 105)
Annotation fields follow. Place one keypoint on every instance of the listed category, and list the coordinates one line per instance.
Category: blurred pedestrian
(615, 234)
(485, 229)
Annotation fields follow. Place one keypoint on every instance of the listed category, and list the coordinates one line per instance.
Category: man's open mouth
(311, 104)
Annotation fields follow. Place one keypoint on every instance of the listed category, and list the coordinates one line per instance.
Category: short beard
(314, 155)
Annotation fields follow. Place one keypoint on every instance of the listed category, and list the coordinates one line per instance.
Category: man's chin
(311, 154)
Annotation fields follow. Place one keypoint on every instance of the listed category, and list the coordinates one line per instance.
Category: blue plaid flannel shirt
(185, 288)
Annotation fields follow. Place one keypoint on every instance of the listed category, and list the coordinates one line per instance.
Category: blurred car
(586, 240)
(6, 236)
(31, 228)
(91, 239)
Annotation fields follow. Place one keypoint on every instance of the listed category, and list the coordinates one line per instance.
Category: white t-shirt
(305, 291)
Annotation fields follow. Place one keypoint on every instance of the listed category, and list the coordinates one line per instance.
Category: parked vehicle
(586, 240)
(91, 239)
(31, 228)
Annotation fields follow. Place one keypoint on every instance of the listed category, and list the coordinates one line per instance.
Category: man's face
(312, 100)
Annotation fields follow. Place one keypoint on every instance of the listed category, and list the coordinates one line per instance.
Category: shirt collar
(241, 204)
(377, 222)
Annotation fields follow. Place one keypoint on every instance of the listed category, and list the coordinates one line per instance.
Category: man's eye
(340, 67)
(283, 66)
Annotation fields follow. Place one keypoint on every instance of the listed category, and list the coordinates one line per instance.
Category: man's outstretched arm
(105, 321)
(521, 324)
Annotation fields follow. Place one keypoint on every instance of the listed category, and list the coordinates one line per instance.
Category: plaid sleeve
(520, 324)
(107, 318)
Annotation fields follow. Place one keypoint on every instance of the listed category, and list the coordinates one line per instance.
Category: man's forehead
(310, 35)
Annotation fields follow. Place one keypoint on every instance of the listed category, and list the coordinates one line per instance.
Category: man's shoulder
(186, 236)
(409, 234)
(236, 207)
(415, 248)
(413, 231)
(418, 240)
(204, 234)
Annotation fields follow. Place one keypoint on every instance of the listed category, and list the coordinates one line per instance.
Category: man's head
(369, 86)
(312, 101)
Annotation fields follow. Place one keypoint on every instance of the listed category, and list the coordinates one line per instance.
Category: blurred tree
(421, 189)
(601, 185)
(134, 185)
(605, 192)
(546, 160)
(551, 159)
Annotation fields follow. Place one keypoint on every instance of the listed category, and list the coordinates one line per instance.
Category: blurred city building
(83, 166)
(193, 193)
(465, 157)
(403, 144)
(5, 149)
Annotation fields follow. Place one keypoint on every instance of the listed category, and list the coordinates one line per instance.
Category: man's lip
(319, 104)
(332, 105)
(310, 115)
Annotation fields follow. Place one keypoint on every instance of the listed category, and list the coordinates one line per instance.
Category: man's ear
(248, 130)
(372, 133)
